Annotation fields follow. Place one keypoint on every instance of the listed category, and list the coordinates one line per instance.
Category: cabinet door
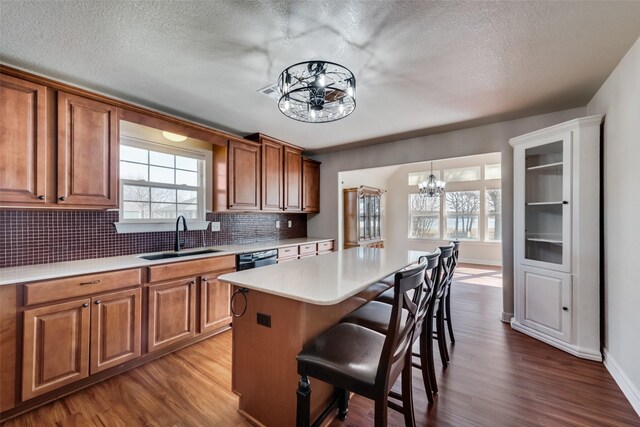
(543, 202)
(244, 175)
(171, 312)
(292, 179)
(87, 152)
(310, 186)
(55, 347)
(272, 176)
(22, 141)
(115, 329)
(546, 302)
(215, 311)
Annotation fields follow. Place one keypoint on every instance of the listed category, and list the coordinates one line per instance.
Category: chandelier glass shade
(317, 92)
(432, 187)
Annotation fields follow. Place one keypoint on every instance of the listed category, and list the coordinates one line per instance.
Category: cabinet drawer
(308, 249)
(288, 252)
(190, 268)
(325, 246)
(71, 287)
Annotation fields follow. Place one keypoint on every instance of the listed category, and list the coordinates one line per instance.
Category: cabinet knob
(40, 197)
(85, 305)
(98, 302)
(62, 198)
(564, 202)
(565, 308)
(193, 282)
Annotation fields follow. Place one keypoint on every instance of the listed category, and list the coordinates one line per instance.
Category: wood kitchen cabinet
(88, 141)
(215, 309)
(55, 346)
(171, 312)
(310, 186)
(272, 175)
(116, 324)
(363, 217)
(23, 141)
(243, 175)
(292, 179)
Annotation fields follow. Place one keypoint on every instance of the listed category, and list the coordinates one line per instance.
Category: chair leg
(343, 403)
(442, 343)
(448, 314)
(303, 412)
(429, 353)
(380, 417)
(424, 362)
(407, 394)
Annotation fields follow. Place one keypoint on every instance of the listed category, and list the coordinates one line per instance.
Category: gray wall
(476, 140)
(619, 100)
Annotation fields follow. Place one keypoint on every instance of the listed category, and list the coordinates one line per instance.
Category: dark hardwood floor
(497, 377)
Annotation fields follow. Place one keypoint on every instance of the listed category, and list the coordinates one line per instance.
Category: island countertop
(327, 279)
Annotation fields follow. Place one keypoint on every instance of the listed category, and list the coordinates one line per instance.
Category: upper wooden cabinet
(88, 142)
(292, 179)
(23, 141)
(310, 186)
(243, 175)
(272, 175)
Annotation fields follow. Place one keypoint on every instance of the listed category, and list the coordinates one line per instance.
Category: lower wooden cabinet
(215, 309)
(55, 346)
(116, 323)
(171, 312)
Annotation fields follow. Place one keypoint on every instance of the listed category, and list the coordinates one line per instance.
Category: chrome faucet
(184, 222)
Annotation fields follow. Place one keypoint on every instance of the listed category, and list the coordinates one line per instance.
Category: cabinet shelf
(544, 240)
(545, 166)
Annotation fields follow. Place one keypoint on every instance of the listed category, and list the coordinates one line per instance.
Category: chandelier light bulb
(341, 107)
(321, 80)
(287, 104)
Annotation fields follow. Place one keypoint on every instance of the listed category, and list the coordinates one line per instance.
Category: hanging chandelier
(432, 187)
(317, 92)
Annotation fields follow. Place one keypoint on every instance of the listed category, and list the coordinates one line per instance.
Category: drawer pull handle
(85, 305)
(565, 308)
(62, 198)
(98, 302)
(40, 197)
(93, 282)
(193, 282)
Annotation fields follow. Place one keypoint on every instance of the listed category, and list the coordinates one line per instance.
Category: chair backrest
(445, 272)
(400, 337)
(454, 259)
(430, 278)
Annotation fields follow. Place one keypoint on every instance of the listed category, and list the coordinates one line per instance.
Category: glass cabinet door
(547, 207)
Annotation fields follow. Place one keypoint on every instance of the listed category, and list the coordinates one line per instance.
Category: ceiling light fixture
(173, 136)
(317, 92)
(432, 187)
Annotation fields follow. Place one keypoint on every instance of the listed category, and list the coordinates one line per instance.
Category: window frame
(199, 156)
(481, 185)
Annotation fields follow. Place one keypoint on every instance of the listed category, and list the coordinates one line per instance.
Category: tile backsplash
(39, 237)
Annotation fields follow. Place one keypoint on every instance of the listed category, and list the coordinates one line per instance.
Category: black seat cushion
(346, 356)
(373, 291)
(374, 315)
(387, 296)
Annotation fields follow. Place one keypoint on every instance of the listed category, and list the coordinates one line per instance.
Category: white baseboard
(584, 353)
(628, 388)
(506, 317)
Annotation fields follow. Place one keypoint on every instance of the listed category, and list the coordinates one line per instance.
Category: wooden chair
(354, 358)
(447, 297)
(375, 315)
(445, 267)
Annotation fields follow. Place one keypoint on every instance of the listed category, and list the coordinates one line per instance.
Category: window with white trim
(158, 183)
(469, 210)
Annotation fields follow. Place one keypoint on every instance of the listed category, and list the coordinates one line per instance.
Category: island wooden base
(264, 358)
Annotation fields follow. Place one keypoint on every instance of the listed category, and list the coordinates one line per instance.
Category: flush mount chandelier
(432, 187)
(317, 92)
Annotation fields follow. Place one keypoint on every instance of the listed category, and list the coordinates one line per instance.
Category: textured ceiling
(420, 65)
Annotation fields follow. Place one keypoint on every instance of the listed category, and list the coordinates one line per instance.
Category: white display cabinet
(556, 235)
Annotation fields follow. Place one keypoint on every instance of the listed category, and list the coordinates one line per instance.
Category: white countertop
(325, 279)
(32, 273)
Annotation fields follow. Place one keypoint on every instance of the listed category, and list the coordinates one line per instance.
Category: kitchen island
(286, 306)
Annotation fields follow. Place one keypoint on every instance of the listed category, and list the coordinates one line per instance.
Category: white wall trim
(506, 317)
(629, 389)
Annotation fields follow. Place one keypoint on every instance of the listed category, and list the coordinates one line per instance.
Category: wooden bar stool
(447, 298)
(357, 359)
(375, 315)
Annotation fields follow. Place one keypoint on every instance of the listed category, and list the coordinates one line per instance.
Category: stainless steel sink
(166, 255)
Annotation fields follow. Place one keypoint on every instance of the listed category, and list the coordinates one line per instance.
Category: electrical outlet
(277, 224)
(215, 226)
(264, 320)
(289, 224)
